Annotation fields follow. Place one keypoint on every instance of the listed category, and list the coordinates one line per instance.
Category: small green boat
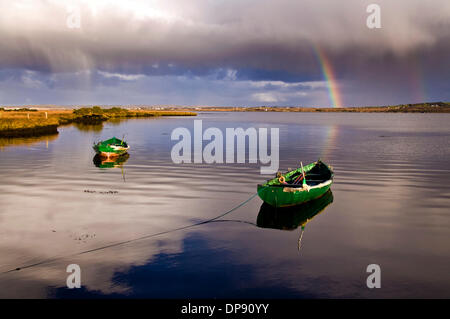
(297, 186)
(111, 148)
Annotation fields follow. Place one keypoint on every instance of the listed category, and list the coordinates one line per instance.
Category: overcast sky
(222, 52)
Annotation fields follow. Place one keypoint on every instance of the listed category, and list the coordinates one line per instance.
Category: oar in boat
(298, 179)
(303, 172)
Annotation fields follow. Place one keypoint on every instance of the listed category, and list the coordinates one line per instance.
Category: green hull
(319, 178)
(111, 147)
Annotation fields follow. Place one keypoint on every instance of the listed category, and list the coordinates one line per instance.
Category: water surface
(390, 206)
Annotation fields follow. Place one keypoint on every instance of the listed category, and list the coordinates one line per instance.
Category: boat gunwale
(330, 180)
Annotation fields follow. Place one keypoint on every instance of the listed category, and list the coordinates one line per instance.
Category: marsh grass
(31, 122)
(23, 123)
(117, 113)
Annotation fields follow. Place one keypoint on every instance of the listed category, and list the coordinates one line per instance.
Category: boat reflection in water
(111, 162)
(290, 218)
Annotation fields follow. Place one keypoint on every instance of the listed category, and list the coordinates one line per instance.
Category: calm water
(389, 206)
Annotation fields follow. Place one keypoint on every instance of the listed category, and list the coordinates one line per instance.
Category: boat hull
(111, 148)
(279, 195)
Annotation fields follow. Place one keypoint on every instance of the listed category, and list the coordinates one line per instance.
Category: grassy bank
(96, 114)
(30, 122)
(13, 125)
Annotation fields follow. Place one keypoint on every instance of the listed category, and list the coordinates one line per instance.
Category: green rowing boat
(111, 148)
(297, 186)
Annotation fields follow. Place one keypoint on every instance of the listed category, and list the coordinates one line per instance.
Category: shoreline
(165, 110)
(36, 121)
(435, 107)
(33, 123)
(30, 132)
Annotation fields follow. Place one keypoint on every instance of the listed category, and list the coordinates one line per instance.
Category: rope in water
(132, 240)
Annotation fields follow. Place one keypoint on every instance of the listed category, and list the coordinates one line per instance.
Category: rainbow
(330, 77)
(331, 131)
(417, 83)
(331, 135)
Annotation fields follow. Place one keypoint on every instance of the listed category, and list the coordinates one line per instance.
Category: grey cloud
(260, 34)
(193, 45)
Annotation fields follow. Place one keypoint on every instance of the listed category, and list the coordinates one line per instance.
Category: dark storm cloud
(259, 40)
(270, 35)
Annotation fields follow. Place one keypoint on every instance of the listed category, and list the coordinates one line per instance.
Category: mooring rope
(132, 240)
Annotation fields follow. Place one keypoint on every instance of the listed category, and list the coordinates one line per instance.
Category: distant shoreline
(435, 107)
(431, 107)
(43, 120)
